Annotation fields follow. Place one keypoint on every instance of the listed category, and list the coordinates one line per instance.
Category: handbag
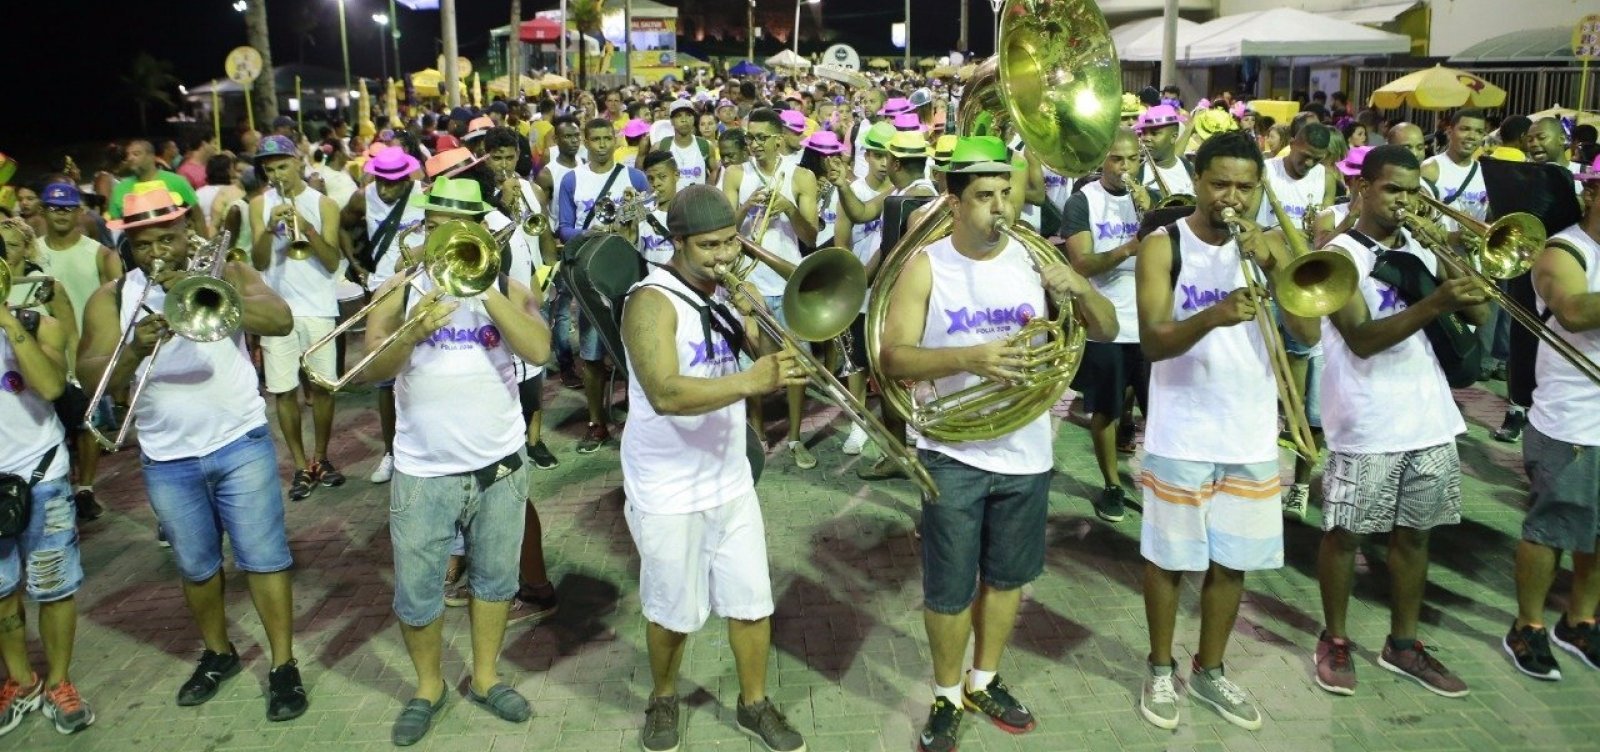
(16, 497)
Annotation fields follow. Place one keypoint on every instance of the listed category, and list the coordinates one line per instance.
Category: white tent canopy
(1144, 33)
(1280, 32)
(788, 59)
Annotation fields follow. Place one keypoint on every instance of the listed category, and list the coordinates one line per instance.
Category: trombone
(822, 298)
(1168, 198)
(201, 308)
(1505, 249)
(41, 295)
(1313, 284)
(299, 244)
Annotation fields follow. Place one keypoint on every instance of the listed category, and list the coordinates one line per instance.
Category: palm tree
(149, 81)
(585, 16)
(266, 89)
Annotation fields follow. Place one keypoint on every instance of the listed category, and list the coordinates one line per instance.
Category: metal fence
(1528, 90)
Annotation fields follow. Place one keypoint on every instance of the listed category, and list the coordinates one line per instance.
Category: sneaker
(88, 507)
(884, 469)
(1417, 663)
(1335, 672)
(456, 597)
(541, 456)
(214, 669)
(1109, 506)
(803, 458)
(1158, 702)
(1511, 428)
(327, 475)
(384, 470)
(303, 484)
(997, 702)
(594, 439)
(532, 608)
(1295, 501)
(1582, 640)
(17, 701)
(768, 726)
(944, 725)
(661, 721)
(855, 441)
(286, 695)
(66, 708)
(1214, 689)
(1529, 648)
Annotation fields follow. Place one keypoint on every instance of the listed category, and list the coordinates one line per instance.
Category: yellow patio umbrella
(477, 90)
(502, 85)
(927, 62)
(943, 71)
(877, 62)
(364, 106)
(553, 81)
(967, 71)
(1438, 88)
(391, 99)
(1567, 113)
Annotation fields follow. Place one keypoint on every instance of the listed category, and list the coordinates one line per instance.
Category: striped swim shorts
(1196, 513)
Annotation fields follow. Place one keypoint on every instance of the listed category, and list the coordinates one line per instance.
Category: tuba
(1057, 82)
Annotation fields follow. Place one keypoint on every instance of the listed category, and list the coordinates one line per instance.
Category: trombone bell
(1316, 284)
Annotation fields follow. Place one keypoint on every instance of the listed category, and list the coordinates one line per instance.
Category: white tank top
(1396, 400)
(456, 404)
(677, 464)
(586, 185)
(520, 265)
(28, 423)
(1297, 196)
(377, 211)
(1474, 198)
(1566, 404)
(1221, 387)
(691, 163)
(557, 172)
(780, 238)
(972, 303)
(204, 196)
(654, 246)
(828, 215)
(1114, 221)
(306, 285)
(1176, 177)
(201, 396)
(76, 270)
(865, 236)
(1057, 187)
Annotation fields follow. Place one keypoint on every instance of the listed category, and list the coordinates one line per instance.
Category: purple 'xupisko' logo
(985, 320)
(454, 338)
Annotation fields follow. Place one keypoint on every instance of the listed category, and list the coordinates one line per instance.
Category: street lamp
(240, 5)
(382, 20)
(344, 44)
(797, 21)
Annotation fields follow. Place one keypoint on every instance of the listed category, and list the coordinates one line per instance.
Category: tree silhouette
(266, 88)
(585, 15)
(148, 82)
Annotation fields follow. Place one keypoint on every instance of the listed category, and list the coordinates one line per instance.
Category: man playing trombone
(1210, 473)
(459, 464)
(209, 464)
(952, 314)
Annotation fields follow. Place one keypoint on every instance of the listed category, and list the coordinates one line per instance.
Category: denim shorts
(424, 515)
(985, 526)
(50, 545)
(589, 346)
(234, 490)
(1565, 480)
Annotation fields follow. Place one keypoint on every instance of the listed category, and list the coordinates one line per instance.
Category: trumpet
(764, 216)
(42, 294)
(536, 223)
(299, 244)
(628, 211)
(200, 308)
(822, 297)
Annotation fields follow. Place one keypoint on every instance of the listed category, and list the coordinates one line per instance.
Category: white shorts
(280, 356)
(1196, 513)
(690, 564)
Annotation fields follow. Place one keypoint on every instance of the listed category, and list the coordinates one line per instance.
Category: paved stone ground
(850, 663)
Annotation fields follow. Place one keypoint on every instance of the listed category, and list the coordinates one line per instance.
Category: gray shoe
(661, 722)
(1225, 697)
(1295, 502)
(503, 701)
(415, 720)
(1158, 703)
(768, 726)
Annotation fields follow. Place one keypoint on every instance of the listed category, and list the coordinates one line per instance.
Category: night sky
(66, 57)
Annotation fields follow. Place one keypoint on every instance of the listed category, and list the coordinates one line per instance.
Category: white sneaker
(855, 441)
(384, 471)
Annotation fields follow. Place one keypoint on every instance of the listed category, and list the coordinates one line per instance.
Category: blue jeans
(424, 515)
(235, 490)
(985, 526)
(558, 311)
(50, 544)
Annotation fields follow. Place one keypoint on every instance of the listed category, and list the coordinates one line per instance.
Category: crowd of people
(305, 229)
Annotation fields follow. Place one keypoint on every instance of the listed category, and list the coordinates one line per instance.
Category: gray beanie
(698, 209)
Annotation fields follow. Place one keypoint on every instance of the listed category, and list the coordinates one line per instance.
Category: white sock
(979, 680)
(953, 694)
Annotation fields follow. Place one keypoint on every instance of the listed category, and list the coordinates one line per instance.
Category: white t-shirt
(655, 246)
(692, 167)
(1566, 404)
(1473, 199)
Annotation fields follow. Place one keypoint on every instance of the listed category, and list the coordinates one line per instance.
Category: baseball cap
(61, 194)
(498, 107)
(679, 105)
(275, 146)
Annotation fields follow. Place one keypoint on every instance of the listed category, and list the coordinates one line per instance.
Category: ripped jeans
(47, 550)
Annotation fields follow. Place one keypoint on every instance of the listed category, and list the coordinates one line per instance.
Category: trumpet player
(207, 456)
(1210, 473)
(289, 219)
(950, 321)
(1100, 224)
(1165, 169)
(1391, 424)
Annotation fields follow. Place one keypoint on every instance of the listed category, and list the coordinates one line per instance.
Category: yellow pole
(299, 112)
(1583, 87)
(249, 111)
(216, 115)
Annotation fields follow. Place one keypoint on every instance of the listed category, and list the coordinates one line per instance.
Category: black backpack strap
(1177, 252)
(386, 231)
(1448, 200)
(713, 315)
(44, 467)
(605, 190)
(1571, 250)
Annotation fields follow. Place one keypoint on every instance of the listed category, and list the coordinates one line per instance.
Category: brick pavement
(850, 661)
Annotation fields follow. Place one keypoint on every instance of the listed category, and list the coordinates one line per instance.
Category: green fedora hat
(980, 154)
(447, 195)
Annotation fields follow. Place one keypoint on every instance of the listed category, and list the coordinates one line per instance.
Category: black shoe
(1109, 506)
(1529, 649)
(302, 486)
(1511, 429)
(286, 696)
(88, 507)
(327, 475)
(944, 725)
(1582, 640)
(571, 380)
(596, 437)
(1126, 443)
(541, 456)
(996, 702)
(214, 669)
